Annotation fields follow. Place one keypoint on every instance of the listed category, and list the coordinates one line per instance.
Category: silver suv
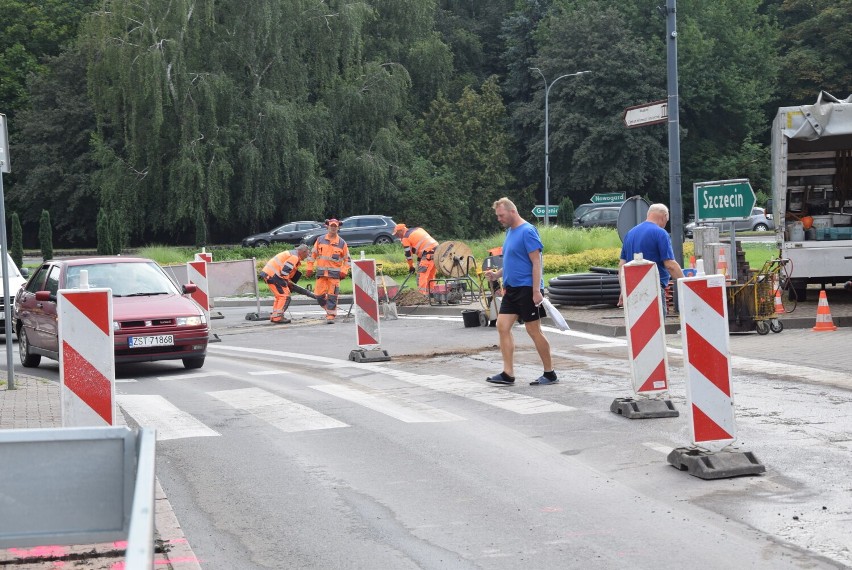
(757, 222)
(360, 230)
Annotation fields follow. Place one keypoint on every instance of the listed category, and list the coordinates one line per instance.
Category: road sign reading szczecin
(647, 114)
(723, 200)
(538, 211)
(609, 197)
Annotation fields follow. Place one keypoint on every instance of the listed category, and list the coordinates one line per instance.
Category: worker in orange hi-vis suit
(418, 243)
(330, 255)
(277, 274)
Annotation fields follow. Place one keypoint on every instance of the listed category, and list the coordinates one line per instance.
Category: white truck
(812, 191)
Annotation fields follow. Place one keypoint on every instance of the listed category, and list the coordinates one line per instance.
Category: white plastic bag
(554, 315)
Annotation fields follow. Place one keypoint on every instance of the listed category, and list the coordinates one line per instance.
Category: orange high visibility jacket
(284, 264)
(417, 241)
(331, 257)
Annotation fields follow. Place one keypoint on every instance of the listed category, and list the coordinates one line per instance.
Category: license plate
(158, 340)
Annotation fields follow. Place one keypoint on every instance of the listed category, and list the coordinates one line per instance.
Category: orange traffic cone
(722, 265)
(779, 305)
(823, 319)
(692, 261)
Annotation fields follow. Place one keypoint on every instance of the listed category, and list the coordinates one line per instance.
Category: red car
(152, 319)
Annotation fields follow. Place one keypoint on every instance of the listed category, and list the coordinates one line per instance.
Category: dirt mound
(411, 297)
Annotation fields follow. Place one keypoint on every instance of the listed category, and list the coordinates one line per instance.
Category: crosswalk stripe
(269, 372)
(205, 374)
(497, 397)
(402, 409)
(157, 412)
(281, 413)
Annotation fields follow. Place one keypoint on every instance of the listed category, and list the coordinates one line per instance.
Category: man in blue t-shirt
(651, 240)
(524, 283)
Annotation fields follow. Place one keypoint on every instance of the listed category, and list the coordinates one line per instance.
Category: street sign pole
(675, 202)
(5, 166)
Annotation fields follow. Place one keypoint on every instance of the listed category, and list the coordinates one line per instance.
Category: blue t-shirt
(653, 243)
(517, 266)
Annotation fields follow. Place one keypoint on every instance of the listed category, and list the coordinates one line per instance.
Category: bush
(17, 249)
(565, 215)
(45, 236)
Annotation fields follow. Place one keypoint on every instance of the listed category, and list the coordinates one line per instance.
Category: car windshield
(126, 279)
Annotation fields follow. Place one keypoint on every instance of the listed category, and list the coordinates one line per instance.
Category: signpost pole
(675, 205)
(5, 166)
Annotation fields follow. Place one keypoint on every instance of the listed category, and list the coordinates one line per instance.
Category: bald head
(659, 214)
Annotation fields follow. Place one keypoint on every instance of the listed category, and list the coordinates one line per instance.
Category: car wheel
(27, 360)
(383, 240)
(261, 243)
(193, 363)
(761, 228)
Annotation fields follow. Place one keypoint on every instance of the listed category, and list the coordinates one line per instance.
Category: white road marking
(664, 449)
(125, 381)
(601, 345)
(157, 412)
(281, 413)
(402, 409)
(205, 374)
(269, 373)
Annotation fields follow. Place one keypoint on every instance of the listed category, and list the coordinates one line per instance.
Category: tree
(200, 231)
(45, 236)
(429, 198)
(565, 215)
(17, 248)
(469, 138)
(103, 231)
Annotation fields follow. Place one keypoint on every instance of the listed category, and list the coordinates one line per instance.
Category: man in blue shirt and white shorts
(524, 283)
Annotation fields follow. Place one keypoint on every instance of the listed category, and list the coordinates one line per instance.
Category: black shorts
(519, 301)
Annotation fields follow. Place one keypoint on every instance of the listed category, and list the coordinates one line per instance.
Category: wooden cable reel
(453, 259)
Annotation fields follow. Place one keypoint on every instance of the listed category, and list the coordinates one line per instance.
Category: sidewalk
(35, 404)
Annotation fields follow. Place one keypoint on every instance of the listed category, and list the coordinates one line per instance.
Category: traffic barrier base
(643, 408)
(216, 315)
(213, 337)
(719, 465)
(363, 355)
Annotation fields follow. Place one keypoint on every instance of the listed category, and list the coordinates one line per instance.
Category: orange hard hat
(807, 222)
(399, 228)
(333, 222)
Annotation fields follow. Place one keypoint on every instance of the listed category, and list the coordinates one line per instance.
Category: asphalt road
(281, 453)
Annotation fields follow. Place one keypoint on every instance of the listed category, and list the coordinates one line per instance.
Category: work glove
(309, 273)
(411, 269)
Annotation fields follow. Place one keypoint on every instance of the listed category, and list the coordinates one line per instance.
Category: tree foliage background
(212, 119)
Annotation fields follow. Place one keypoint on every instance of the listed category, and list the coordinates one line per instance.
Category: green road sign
(723, 200)
(538, 211)
(609, 197)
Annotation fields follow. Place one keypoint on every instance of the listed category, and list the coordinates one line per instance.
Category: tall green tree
(469, 138)
(45, 236)
(17, 247)
(816, 51)
(104, 237)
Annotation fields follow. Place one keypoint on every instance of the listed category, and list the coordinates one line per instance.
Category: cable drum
(598, 287)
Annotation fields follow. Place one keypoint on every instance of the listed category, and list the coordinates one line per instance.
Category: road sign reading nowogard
(723, 200)
(538, 211)
(647, 114)
(609, 197)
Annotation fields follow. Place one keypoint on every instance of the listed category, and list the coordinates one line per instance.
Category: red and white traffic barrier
(196, 272)
(707, 360)
(204, 256)
(368, 331)
(86, 357)
(646, 342)
(646, 335)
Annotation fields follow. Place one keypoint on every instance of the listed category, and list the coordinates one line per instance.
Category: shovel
(389, 307)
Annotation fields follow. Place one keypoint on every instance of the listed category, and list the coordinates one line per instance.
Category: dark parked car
(152, 319)
(360, 230)
(291, 233)
(583, 209)
(600, 217)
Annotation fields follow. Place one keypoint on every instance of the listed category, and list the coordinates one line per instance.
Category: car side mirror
(190, 288)
(25, 272)
(44, 296)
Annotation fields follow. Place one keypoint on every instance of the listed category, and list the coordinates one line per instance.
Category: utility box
(702, 235)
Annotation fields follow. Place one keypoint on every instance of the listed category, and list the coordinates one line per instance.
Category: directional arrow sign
(538, 211)
(647, 114)
(609, 197)
(723, 200)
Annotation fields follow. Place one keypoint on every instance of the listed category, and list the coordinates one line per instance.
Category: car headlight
(191, 321)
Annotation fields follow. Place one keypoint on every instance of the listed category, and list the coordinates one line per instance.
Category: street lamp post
(547, 137)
